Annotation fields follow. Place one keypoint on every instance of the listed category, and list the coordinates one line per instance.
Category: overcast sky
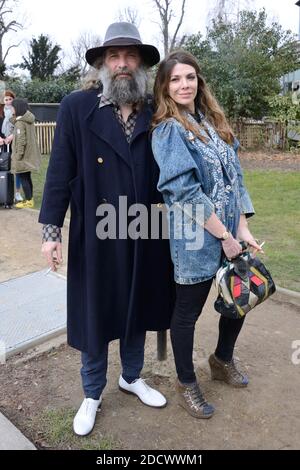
(63, 20)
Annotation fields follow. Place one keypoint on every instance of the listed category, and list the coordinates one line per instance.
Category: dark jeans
(26, 183)
(190, 299)
(94, 369)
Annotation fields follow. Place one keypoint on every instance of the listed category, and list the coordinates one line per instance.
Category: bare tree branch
(163, 11)
(9, 48)
(11, 26)
(84, 42)
(130, 15)
(6, 11)
(7, 8)
(179, 25)
(166, 13)
(227, 10)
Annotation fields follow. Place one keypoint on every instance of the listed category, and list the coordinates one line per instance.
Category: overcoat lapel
(142, 124)
(103, 123)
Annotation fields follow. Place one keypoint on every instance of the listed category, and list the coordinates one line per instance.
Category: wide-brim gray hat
(124, 34)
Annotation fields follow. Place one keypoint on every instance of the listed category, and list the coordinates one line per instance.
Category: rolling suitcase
(6, 189)
(5, 158)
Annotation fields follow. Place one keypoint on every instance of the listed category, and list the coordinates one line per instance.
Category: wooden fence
(251, 134)
(260, 134)
(45, 133)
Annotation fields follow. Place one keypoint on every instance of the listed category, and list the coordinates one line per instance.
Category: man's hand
(53, 254)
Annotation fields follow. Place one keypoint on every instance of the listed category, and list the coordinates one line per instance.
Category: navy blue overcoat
(117, 286)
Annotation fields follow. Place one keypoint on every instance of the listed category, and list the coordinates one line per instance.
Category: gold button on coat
(100, 160)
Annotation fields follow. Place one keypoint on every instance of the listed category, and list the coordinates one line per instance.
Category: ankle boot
(227, 371)
(191, 398)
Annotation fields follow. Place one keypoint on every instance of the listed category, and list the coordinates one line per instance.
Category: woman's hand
(244, 234)
(231, 247)
(9, 139)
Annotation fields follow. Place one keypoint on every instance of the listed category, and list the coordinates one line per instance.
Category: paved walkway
(32, 308)
(21, 269)
(11, 438)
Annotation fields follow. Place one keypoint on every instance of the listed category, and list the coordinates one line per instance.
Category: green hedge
(38, 91)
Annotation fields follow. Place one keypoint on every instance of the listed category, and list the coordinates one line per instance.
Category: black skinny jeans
(190, 299)
(26, 183)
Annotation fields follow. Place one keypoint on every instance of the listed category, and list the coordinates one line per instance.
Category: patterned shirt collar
(104, 101)
(107, 102)
(129, 125)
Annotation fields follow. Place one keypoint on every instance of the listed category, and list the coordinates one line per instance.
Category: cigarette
(48, 271)
(262, 244)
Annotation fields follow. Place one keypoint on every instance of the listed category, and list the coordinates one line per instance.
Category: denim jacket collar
(214, 141)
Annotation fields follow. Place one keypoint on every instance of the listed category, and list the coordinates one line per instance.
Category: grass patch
(38, 181)
(276, 198)
(56, 427)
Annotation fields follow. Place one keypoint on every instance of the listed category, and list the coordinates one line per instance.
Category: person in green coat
(26, 156)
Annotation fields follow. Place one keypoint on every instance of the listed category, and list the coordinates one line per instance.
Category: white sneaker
(85, 417)
(18, 197)
(146, 394)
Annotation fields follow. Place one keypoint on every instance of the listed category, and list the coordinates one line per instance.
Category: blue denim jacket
(198, 175)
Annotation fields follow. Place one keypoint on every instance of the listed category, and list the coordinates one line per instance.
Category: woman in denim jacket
(202, 184)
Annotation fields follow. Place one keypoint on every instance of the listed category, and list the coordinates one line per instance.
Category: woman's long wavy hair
(166, 107)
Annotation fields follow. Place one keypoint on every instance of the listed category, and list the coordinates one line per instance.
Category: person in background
(26, 156)
(7, 126)
(2, 136)
(7, 129)
(18, 196)
(199, 169)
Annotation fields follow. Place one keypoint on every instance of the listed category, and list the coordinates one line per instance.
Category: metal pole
(298, 5)
(299, 24)
(162, 345)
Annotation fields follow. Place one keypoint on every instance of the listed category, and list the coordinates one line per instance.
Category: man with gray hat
(119, 286)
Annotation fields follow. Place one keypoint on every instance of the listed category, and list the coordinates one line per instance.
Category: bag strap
(7, 147)
(241, 267)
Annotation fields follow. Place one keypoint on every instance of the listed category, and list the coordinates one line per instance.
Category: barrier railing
(45, 134)
(251, 134)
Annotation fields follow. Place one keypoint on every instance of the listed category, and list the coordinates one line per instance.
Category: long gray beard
(123, 91)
